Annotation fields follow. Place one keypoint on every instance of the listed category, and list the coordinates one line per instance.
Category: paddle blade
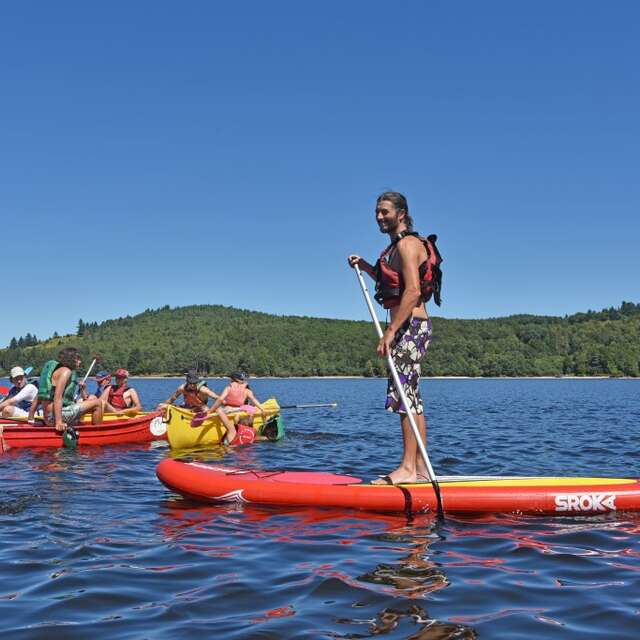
(273, 429)
(198, 419)
(4, 390)
(70, 438)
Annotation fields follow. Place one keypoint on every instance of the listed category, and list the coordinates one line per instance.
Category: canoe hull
(144, 427)
(182, 435)
(525, 495)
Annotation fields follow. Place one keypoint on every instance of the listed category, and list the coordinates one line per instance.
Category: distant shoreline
(204, 377)
(181, 377)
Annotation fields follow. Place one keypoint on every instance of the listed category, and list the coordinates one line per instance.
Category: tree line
(216, 340)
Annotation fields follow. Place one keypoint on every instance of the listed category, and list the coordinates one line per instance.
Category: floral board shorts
(409, 347)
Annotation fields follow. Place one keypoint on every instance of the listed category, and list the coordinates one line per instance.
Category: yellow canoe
(183, 436)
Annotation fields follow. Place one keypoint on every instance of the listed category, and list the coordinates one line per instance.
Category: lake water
(93, 546)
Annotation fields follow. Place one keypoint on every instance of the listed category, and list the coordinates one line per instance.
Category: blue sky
(177, 153)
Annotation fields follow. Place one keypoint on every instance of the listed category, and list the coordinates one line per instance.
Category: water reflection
(390, 619)
(414, 575)
(295, 535)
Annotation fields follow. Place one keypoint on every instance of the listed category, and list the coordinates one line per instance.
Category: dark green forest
(216, 339)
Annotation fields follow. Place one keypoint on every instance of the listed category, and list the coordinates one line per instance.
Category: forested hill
(218, 339)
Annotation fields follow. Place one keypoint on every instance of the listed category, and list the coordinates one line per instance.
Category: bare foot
(399, 476)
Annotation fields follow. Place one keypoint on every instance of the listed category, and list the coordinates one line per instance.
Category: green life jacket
(46, 388)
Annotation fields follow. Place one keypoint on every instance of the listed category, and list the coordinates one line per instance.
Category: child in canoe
(235, 399)
(194, 391)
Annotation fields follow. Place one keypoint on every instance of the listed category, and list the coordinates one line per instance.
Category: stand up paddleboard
(462, 495)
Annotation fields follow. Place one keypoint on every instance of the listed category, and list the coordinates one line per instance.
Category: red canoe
(526, 495)
(144, 427)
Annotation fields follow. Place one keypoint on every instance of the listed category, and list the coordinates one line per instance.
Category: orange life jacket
(389, 282)
(192, 398)
(237, 394)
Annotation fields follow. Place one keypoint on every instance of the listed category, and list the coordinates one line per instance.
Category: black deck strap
(440, 506)
(408, 502)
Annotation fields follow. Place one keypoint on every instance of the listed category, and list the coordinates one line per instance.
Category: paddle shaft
(309, 406)
(403, 397)
(86, 375)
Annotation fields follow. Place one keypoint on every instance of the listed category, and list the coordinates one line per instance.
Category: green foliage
(217, 340)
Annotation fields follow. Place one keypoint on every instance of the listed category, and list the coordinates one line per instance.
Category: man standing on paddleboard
(407, 275)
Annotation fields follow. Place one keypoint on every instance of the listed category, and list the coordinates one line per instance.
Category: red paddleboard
(472, 494)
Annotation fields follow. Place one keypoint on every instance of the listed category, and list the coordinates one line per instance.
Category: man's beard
(389, 226)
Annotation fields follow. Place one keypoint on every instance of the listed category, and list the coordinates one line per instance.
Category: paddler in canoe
(195, 393)
(57, 393)
(407, 274)
(235, 398)
(103, 383)
(20, 397)
(119, 398)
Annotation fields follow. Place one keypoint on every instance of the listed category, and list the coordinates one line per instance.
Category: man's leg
(93, 406)
(407, 353)
(421, 467)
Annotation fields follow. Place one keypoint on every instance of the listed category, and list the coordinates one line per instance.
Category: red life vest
(389, 284)
(192, 398)
(244, 435)
(116, 397)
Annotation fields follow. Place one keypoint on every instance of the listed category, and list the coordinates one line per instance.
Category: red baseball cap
(121, 373)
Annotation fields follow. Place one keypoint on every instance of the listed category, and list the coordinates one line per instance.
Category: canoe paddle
(333, 405)
(200, 417)
(403, 397)
(96, 358)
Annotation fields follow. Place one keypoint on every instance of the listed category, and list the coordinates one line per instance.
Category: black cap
(192, 376)
(239, 376)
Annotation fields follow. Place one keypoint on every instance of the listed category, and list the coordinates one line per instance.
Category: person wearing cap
(235, 399)
(120, 397)
(194, 391)
(103, 382)
(20, 396)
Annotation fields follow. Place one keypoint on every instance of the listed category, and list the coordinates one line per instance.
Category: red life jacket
(192, 398)
(116, 397)
(389, 284)
(244, 435)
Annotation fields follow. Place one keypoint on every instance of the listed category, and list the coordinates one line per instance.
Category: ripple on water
(93, 546)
